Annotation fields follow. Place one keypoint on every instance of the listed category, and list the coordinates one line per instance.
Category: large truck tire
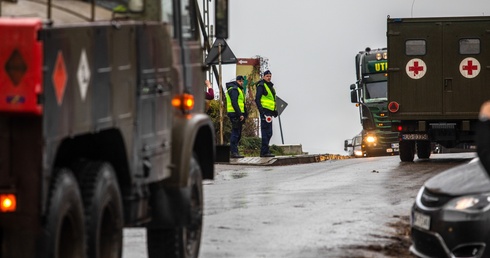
(64, 228)
(104, 219)
(423, 149)
(407, 151)
(181, 242)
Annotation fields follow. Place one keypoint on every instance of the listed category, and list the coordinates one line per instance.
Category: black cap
(267, 72)
(239, 78)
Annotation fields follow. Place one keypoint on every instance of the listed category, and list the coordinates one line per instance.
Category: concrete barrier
(291, 149)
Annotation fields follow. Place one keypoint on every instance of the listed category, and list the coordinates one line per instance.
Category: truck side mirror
(347, 144)
(353, 96)
(221, 19)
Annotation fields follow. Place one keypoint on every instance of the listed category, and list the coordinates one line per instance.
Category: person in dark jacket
(265, 99)
(483, 136)
(237, 112)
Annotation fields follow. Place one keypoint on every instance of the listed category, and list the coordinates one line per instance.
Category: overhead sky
(311, 47)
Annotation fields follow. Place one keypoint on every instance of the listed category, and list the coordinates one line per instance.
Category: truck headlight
(371, 139)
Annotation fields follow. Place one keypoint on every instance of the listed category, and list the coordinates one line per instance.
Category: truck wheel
(423, 149)
(407, 151)
(181, 242)
(103, 210)
(64, 228)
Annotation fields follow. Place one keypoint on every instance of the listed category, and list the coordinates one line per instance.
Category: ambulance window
(415, 47)
(469, 46)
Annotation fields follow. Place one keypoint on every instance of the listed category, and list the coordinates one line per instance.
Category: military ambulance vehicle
(438, 77)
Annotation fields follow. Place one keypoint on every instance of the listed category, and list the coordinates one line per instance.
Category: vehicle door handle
(448, 84)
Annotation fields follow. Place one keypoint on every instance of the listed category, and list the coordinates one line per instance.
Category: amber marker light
(183, 101)
(8, 203)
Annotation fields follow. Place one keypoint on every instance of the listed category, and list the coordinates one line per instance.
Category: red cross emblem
(416, 68)
(469, 67)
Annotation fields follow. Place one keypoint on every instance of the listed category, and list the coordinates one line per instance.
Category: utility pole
(220, 96)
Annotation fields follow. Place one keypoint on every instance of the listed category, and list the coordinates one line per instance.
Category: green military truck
(370, 95)
(438, 77)
(102, 127)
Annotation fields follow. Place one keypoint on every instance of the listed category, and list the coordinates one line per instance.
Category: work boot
(268, 155)
(236, 156)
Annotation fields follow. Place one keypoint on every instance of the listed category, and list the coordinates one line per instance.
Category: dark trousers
(266, 131)
(236, 134)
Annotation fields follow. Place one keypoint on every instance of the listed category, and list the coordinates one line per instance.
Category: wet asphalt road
(328, 209)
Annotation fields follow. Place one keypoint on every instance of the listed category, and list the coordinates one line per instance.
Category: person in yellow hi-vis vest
(237, 112)
(265, 99)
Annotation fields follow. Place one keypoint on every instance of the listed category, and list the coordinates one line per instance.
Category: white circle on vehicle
(469, 67)
(416, 68)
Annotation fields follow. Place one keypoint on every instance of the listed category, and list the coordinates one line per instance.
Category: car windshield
(375, 92)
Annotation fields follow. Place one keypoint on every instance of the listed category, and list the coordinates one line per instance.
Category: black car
(451, 214)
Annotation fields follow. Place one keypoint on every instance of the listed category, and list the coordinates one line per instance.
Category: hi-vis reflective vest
(268, 101)
(241, 101)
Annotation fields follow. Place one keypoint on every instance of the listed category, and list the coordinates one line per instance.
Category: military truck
(370, 95)
(102, 127)
(436, 80)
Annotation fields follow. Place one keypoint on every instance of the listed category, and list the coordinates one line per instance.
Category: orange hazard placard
(59, 77)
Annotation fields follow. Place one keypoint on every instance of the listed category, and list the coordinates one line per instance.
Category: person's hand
(208, 83)
(242, 118)
(275, 113)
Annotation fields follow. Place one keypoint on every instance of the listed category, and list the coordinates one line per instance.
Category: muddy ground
(399, 242)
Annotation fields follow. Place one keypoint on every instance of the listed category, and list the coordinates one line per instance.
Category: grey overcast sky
(311, 45)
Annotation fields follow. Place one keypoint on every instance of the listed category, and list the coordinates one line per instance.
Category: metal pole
(208, 29)
(49, 9)
(220, 97)
(280, 128)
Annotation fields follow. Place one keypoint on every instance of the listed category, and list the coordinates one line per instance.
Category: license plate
(421, 220)
(415, 136)
(395, 145)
